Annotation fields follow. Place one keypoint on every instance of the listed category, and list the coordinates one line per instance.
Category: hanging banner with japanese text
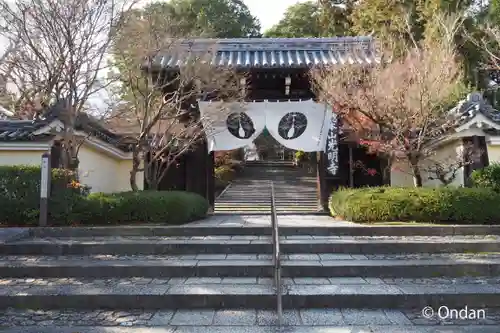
(332, 145)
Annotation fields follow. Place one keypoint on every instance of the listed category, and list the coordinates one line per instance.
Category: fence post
(44, 188)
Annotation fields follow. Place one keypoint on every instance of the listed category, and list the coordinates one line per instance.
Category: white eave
(480, 121)
(57, 127)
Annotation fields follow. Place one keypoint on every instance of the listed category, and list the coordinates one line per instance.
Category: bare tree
(398, 108)
(160, 107)
(62, 48)
(445, 169)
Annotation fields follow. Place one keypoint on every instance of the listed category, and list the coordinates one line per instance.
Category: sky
(269, 12)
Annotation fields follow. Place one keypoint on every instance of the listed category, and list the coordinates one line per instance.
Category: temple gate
(279, 96)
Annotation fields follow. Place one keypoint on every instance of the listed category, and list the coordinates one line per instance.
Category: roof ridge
(284, 39)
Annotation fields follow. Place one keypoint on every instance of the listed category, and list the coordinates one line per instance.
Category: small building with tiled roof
(477, 127)
(105, 160)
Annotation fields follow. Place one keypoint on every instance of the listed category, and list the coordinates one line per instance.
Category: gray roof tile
(473, 105)
(272, 52)
(18, 130)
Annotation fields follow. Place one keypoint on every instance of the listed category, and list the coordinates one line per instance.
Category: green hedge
(441, 205)
(70, 203)
(488, 177)
(172, 207)
(20, 194)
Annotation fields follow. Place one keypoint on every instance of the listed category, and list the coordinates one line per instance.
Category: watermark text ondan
(444, 312)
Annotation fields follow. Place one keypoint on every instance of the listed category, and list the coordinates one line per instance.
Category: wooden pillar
(351, 166)
(210, 176)
(55, 155)
(322, 185)
(196, 165)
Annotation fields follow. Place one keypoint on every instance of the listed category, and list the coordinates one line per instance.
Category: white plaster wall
(13, 157)
(123, 176)
(401, 175)
(494, 153)
(104, 173)
(446, 154)
(98, 169)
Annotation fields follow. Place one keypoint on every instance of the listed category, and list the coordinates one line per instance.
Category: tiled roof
(474, 104)
(24, 130)
(19, 130)
(273, 52)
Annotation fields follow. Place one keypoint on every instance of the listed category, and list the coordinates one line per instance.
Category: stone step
(277, 181)
(263, 212)
(282, 205)
(340, 266)
(266, 208)
(260, 189)
(265, 199)
(266, 186)
(266, 205)
(203, 293)
(251, 244)
(328, 320)
(473, 328)
(267, 212)
(300, 227)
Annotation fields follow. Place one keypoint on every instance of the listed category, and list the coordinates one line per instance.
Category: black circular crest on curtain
(292, 125)
(240, 125)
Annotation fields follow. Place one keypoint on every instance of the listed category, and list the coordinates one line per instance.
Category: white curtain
(231, 126)
(299, 125)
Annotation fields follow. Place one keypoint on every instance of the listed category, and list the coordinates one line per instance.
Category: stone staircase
(295, 190)
(216, 276)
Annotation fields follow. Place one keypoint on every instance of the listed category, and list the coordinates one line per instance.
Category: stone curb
(245, 247)
(252, 268)
(187, 230)
(8, 235)
(200, 298)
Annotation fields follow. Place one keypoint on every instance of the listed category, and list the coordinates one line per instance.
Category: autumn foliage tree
(399, 105)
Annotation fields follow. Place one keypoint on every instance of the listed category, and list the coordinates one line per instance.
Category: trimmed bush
(441, 205)
(172, 207)
(70, 202)
(488, 177)
(20, 194)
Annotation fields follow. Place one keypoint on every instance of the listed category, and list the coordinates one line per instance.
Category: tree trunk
(69, 159)
(417, 175)
(136, 163)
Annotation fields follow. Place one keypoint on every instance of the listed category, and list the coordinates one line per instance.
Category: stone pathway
(242, 317)
(12, 286)
(265, 220)
(25, 259)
